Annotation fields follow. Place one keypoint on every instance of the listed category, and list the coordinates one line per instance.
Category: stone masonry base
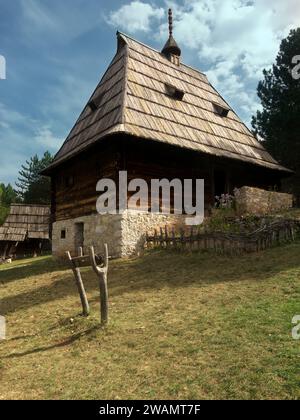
(256, 201)
(124, 233)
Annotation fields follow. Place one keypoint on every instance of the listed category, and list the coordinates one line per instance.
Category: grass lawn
(194, 326)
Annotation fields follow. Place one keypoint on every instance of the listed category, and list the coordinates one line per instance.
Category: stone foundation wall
(135, 225)
(97, 231)
(124, 234)
(259, 202)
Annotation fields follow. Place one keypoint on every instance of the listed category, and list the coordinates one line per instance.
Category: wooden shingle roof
(26, 221)
(131, 98)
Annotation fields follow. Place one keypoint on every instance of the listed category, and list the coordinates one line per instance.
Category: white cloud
(135, 16)
(46, 138)
(20, 138)
(233, 39)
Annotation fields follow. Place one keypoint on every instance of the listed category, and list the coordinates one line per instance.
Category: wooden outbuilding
(26, 231)
(154, 117)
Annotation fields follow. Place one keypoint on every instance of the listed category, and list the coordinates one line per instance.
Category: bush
(225, 202)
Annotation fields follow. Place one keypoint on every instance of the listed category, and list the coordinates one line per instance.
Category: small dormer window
(96, 102)
(175, 59)
(92, 105)
(220, 110)
(174, 92)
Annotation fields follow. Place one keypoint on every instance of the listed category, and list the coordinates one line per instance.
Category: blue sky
(56, 52)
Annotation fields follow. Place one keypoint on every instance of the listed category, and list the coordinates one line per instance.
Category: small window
(95, 103)
(220, 110)
(69, 181)
(63, 234)
(174, 92)
(92, 105)
(175, 59)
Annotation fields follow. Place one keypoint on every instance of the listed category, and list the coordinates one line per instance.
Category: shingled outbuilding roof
(134, 98)
(26, 222)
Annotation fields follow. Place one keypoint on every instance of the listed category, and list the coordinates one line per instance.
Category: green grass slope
(194, 326)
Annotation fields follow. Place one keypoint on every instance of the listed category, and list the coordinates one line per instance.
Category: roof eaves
(118, 128)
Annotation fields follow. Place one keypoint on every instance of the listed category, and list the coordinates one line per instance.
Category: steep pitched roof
(26, 221)
(131, 98)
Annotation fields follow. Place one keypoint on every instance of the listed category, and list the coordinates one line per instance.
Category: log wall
(74, 183)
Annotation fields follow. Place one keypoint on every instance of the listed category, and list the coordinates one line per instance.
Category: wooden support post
(182, 237)
(101, 273)
(161, 237)
(80, 286)
(166, 236)
(147, 241)
(173, 237)
(5, 251)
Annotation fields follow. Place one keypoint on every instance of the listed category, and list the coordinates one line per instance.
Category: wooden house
(26, 231)
(155, 117)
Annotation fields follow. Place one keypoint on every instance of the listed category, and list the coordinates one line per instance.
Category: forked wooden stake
(79, 282)
(101, 272)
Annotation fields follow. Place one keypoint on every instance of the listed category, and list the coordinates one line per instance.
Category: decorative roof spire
(170, 23)
(171, 46)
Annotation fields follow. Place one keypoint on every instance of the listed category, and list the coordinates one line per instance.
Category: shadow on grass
(66, 342)
(161, 269)
(58, 289)
(28, 268)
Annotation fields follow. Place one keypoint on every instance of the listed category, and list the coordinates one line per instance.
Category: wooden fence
(267, 236)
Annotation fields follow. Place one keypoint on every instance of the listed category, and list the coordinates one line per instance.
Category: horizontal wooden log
(85, 261)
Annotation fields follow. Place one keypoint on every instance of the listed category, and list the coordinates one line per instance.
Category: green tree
(7, 196)
(279, 121)
(32, 187)
(2, 208)
(3, 214)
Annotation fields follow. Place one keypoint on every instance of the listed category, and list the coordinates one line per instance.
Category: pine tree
(279, 121)
(33, 188)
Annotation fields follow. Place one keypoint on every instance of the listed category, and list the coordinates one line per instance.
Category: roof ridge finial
(170, 22)
(171, 46)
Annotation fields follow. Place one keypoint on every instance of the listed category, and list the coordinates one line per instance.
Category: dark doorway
(220, 181)
(79, 235)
